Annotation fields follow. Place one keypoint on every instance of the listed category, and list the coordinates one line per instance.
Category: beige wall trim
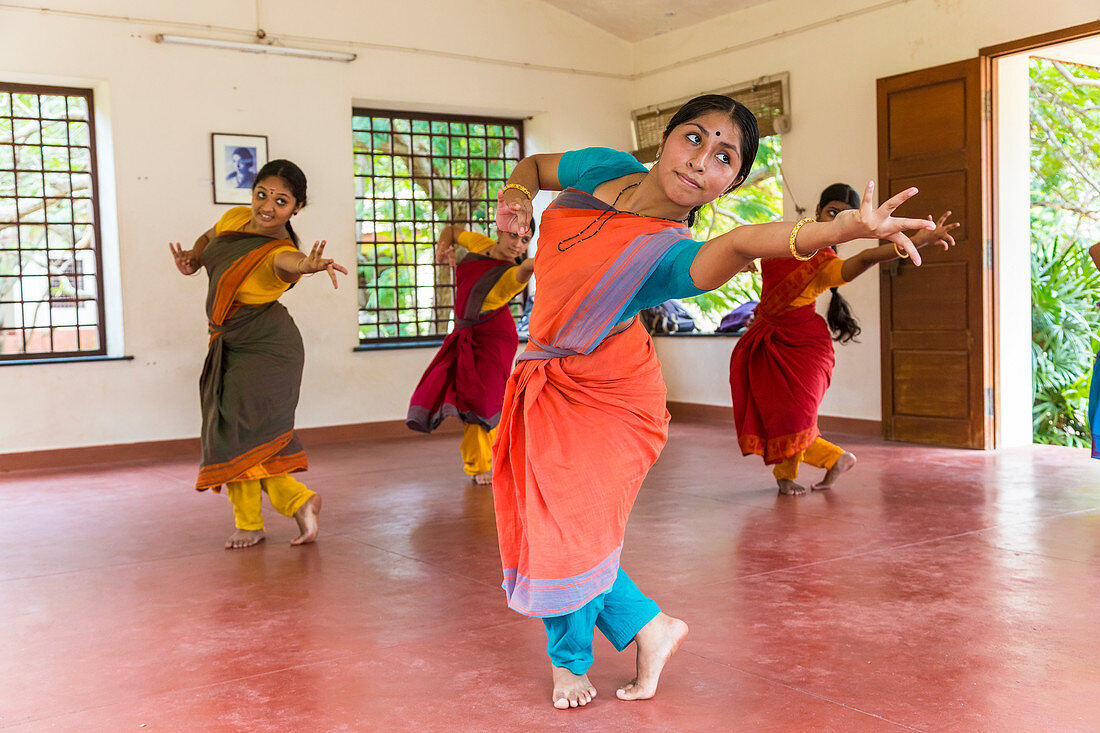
(189, 447)
(721, 413)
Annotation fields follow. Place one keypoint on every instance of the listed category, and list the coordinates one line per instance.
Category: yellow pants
(287, 495)
(821, 453)
(477, 449)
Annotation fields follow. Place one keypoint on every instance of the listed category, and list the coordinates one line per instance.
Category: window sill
(62, 360)
(390, 345)
(699, 334)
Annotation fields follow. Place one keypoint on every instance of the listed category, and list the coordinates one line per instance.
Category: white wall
(833, 66)
(162, 102)
(1013, 260)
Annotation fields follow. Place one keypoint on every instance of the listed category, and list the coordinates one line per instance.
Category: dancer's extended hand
(315, 262)
(514, 211)
(867, 222)
(185, 259)
(940, 235)
(445, 252)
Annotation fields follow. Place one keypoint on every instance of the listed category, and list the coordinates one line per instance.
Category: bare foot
(571, 690)
(244, 538)
(656, 642)
(790, 488)
(306, 517)
(484, 479)
(843, 464)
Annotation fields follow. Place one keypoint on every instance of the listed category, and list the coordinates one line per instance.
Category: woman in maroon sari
(466, 378)
(783, 364)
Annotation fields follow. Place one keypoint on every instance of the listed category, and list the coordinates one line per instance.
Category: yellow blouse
(829, 277)
(474, 242)
(264, 284)
(507, 287)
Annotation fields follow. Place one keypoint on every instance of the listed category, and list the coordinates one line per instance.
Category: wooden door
(936, 319)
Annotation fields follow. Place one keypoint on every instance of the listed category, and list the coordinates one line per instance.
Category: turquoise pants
(619, 614)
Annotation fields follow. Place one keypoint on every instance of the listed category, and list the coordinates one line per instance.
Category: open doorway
(1047, 187)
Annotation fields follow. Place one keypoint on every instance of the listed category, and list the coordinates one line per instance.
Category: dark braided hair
(842, 322)
(295, 180)
(742, 117)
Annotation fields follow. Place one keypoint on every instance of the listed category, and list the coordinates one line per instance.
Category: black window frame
(384, 212)
(65, 302)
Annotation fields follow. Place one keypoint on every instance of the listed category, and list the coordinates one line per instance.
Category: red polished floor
(935, 590)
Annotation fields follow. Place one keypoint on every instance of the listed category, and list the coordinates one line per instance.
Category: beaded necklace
(606, 216)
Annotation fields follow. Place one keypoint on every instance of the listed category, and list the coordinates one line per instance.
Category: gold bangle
(518, 187)
(794, 233)
(901, 254)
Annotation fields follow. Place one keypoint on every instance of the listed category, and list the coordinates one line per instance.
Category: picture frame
(235, 161)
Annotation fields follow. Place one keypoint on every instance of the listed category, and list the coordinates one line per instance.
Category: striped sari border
(217, 474)
(543, 597)
(596, 315)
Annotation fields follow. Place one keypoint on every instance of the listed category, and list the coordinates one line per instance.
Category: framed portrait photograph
(237, 159)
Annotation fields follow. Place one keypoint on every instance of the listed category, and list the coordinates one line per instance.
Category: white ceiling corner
(636, 20)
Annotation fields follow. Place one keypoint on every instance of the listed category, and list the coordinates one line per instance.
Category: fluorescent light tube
(308, 53)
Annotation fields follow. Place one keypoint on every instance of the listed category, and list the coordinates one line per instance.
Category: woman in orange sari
(253, 370)
(782, 365)
(584, 413)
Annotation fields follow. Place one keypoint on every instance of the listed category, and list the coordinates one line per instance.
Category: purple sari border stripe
(558, 596)
(574, 198)
(607, 281)
(597, 313)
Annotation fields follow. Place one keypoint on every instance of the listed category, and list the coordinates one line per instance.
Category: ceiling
(635, 20)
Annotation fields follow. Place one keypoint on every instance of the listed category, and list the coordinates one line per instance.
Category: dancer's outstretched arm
(290, 266)
(525, 269)
(724, 256)
(535, 173)
(187, 260)
(858, 264)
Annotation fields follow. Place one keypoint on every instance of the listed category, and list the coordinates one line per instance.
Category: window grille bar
(38, 225)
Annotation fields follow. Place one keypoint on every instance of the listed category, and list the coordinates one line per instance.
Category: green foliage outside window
(1065, 221)
(413, 175)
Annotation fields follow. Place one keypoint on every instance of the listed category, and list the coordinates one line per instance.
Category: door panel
(936, 346)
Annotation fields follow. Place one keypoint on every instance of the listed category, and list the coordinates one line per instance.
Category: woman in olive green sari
(253, 371)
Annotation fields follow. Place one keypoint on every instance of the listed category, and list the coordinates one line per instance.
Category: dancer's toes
(656, 642)
(571, 690)
(244, 538)
(842, 465)
(484, 479)
(306, 517)
(790, 488)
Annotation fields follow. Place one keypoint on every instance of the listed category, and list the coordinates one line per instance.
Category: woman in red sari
(782, 365)
(466, 378)
(584, 413)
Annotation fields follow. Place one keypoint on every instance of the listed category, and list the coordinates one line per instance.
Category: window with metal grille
(51, 286)
(768, 98)
(414, 174)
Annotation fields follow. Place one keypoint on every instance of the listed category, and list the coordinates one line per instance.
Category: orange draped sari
(584, 414)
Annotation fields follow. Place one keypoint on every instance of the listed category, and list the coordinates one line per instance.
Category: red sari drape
(584, 413)
(466, 378)
(782, 365)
